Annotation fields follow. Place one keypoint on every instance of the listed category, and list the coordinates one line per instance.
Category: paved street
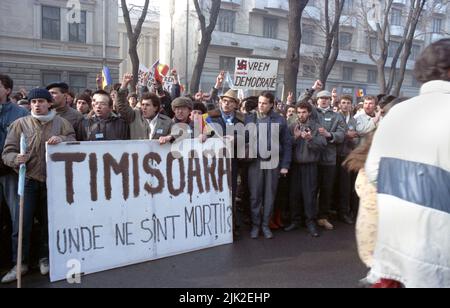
(291, 260)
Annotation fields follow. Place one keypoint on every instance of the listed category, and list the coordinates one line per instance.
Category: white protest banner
(168, 83)
(112, 204)
(256, 74)
(142, 75)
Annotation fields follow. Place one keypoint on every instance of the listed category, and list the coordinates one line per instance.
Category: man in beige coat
(41, 127)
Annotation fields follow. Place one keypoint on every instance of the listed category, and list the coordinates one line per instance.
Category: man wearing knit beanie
(40, 93)
(41, 127)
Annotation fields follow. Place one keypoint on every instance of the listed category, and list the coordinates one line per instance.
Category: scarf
(44, 118)
(324, 110)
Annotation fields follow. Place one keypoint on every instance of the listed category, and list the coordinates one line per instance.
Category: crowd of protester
(323, 143)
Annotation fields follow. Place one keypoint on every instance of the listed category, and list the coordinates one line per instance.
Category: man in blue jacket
(9, 112)
(274, 155)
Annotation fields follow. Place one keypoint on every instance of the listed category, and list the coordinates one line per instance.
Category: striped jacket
(410, 163)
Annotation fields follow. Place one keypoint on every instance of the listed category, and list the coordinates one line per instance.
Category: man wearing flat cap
(60, 92)
(182, 124)
(333, 128)
(41, 127)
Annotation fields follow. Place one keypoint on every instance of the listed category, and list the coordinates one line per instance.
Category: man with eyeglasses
(223, 121)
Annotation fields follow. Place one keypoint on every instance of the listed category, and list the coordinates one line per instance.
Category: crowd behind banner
(322, 142)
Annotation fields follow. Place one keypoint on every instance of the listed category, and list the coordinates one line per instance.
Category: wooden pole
(19, 248)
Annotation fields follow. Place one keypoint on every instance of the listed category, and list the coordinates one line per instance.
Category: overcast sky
(154, 4)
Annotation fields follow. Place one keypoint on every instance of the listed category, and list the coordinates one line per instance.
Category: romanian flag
(107, 79)
(206, 128)
(155, 70)
(361, 93)
(163, 69)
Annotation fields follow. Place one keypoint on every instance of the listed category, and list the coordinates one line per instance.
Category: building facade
(43, 41)
(259, 29)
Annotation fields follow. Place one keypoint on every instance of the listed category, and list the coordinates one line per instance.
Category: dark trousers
(345, 190)
(35, 204)
(326, 185)
(10, 203)
(5, 236)
(243, 192)
(303, 192)
(234, 186)
(282, 198)
(263, 186)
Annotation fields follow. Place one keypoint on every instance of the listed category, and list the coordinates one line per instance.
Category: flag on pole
(206, 127)
(163, 69)
(23, 168)
(107, 79)
(156, 73)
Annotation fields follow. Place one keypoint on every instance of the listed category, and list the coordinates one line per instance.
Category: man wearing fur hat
(41, 127)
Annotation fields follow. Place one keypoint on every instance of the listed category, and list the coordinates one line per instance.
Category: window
(347, 73)
(437, 25)
(78, 83)
(77, 31)
(345, 40)
(270, 28)
(226, 21)
(348, 91)
(393, 47)
(374, 45)
(50, 77)
(415, 52)
(372, 76)
(309, 71)
(308, 35)
(51, 23)
(396, 17)
(227, 64)
(348, 7)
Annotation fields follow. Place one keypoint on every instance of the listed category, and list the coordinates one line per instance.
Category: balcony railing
(236, 2)
(272, 4)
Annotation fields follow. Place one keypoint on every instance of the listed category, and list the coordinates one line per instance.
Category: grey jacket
(345, 148)
(306, 152)
(334, 123)
(71, 115)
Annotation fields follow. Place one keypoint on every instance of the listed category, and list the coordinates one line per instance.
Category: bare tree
(380, 27)
(416, 10)
(331, 30)
(133, 36)
(206, 32)
(296, 8)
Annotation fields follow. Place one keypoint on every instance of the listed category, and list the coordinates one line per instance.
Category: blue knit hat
(40, 93)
